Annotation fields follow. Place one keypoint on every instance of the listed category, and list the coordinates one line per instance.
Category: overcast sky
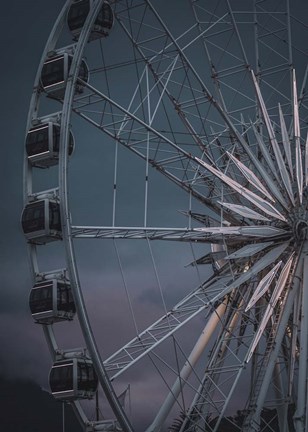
(24, 354)
(25, 27)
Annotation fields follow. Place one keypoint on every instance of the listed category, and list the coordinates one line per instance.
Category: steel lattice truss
(218, 108)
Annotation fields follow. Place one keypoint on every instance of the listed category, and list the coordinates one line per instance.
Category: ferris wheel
(165, 210)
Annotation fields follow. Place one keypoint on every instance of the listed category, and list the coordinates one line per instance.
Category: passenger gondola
(78, 13)
(55, 72)
(51, 301)
(73, 379)
(42, 145)
(41, 221)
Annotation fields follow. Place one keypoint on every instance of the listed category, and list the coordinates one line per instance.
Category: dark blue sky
(25, 27)
(24, 353)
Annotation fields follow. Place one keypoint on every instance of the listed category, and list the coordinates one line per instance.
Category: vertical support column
(300, 414)
(188, 367)
(254, 417)
(282, 409)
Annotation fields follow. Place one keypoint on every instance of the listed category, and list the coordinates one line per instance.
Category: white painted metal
(271, 305)
(262, 204)
(250, 176)
(306, 161)
(298, 151)
(244, 211)
(253, 420)
(250, 231)
(299, 417)
(263, 286)
(279, 159)
(183, 312)
(286, 141)
(267, 157)
(205, 235)
(188, 367)
(249, 250)
(221, 163)
(66, 227)
(282, 409)
(28, 181)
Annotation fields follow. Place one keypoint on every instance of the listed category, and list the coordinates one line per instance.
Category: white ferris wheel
(165, 133)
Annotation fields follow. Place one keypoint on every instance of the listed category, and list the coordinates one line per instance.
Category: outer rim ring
(63, 171)
(64, 207)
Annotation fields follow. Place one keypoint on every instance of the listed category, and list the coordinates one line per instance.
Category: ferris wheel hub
(300, 229)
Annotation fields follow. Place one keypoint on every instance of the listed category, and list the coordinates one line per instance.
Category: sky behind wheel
(28, 345)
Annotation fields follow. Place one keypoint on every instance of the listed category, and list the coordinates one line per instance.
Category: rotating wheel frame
(218, 167)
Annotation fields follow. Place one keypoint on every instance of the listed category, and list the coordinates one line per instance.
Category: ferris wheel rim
(66, 227)
(63, 157)
(48, 332)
